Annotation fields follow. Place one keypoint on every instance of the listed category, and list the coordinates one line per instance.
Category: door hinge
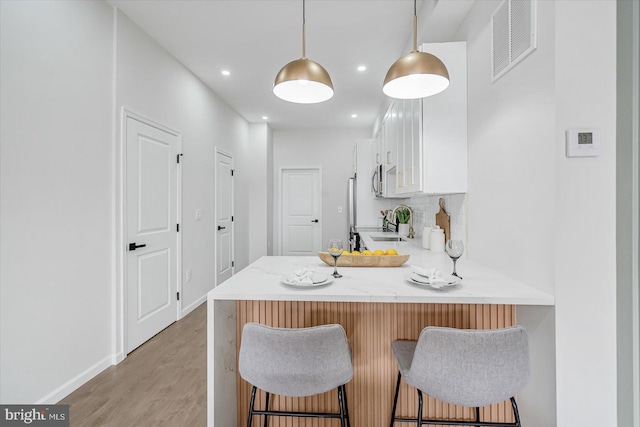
(178, 157)
(178, 295)
(178, 228)
(232, 171)
(233, 263)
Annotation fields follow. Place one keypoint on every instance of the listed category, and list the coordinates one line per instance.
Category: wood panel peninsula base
(375, 306)
(370, 328)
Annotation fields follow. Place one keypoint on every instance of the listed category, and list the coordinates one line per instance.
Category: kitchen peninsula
(374, 305)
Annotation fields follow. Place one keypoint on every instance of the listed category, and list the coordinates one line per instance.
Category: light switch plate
(582, 142)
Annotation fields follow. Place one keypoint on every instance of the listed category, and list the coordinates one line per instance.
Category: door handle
(314, 220)
(221, 228)
(133, 246)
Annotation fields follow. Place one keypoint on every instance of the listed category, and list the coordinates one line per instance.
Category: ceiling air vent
(513, 34)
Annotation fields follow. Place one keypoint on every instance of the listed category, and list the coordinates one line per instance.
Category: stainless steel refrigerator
(354, 238)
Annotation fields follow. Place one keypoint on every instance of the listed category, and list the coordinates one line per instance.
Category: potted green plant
(402, 217)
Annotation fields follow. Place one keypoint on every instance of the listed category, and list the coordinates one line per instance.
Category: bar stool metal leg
(341, 406)
(516, 414)
(477, 414)
(251, 407)
(419, 408)
(395, 400)
(346, 405)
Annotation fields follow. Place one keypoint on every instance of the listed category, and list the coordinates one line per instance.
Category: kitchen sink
(386, 238)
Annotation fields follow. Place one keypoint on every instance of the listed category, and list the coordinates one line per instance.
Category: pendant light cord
(304, 35)
(415, 27)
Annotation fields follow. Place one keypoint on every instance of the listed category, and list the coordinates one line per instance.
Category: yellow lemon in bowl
(378, 252)
(391, 252)
(366, 252)
(346, 253)
(356, 253)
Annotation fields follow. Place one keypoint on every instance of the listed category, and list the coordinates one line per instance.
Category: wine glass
(335, 250)
(454, 249)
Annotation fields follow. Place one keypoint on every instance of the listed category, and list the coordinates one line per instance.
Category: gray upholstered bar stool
(472, 368)
(296, 362)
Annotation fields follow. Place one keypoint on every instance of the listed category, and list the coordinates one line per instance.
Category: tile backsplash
(425, 209)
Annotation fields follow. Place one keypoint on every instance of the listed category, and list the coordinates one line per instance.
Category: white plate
(318, 279)
(423, 281)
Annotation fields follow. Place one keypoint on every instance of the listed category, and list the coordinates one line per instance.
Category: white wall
(628, 213)
(555, 215)
(153, 83)
(511, 153)
(61, 105)
(260, 190)
(585, 211)
(331, 149)
(56, 167)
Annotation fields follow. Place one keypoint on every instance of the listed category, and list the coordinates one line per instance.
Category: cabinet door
(390, 142)
(416, 145)
(400, 152)
(409, 170)
(376, 149)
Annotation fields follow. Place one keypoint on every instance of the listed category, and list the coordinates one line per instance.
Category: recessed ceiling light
(226, 72)
(353, 116)
(362, 67)
(265, 118)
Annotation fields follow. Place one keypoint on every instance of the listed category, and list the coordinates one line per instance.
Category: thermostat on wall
(583, 142)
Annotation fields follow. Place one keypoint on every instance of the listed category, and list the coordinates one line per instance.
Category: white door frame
(118, 295)
(278, 220)
(219, 150)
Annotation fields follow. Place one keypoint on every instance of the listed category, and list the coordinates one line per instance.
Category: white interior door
(224, 217)
(151, 231)
(301, 211)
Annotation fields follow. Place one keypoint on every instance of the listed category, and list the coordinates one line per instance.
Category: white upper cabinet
(377, 148)
(423, 147)
(444, 125)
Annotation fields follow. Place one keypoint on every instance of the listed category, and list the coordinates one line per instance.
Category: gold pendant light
(417, 74)
(303, 81)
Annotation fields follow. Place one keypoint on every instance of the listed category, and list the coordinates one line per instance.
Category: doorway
(224, 233)
(300, 210)
(151, 206)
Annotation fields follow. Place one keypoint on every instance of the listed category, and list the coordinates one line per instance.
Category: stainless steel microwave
(376, 181)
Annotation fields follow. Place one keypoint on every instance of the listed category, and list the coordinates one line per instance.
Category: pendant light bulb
(303, 81)
(417, 74)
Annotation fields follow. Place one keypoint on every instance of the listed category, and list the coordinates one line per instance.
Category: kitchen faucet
(412, 232)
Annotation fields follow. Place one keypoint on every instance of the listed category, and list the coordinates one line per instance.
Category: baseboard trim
(193, 306)
(74, 383)
(117, 358)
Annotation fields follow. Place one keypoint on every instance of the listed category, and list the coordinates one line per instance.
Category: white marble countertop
(262, 281)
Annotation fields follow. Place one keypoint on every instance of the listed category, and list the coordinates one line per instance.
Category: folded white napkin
(426, 272)
(302, 277)
(435, 279)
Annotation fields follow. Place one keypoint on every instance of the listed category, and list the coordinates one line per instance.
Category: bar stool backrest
(470, 367)
(295, 361)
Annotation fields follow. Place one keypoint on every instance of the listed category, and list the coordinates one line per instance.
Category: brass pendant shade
(303, 81)
(417, 74)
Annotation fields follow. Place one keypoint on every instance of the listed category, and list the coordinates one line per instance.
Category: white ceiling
(253, 39)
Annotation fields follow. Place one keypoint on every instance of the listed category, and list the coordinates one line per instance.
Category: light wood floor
(162, 383)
